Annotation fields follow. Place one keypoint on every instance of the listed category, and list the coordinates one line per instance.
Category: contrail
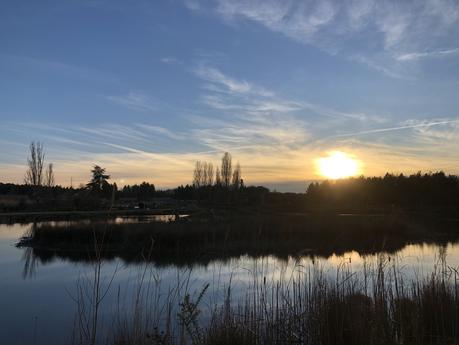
(397, 128)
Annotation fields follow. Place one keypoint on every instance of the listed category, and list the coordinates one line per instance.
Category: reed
(307, 305)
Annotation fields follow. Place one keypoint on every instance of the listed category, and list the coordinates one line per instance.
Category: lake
(38, 296)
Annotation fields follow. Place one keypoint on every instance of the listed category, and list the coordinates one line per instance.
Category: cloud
(60, 69)
(250, 117)
(193, 5)
(313, 20)
(378, 33)
(114, 131)
(135, 100)
(433, 132)
(129, 153)
(388, 71)
(275, 138)
(214, 75)
(300, 20)
(225, 93)
(270, 151)
(161, 131)
(410, 124)
(169, 60)
(430, 54)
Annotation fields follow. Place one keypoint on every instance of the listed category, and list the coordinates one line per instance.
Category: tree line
(429, 190)
(223, 184)
(225, 176)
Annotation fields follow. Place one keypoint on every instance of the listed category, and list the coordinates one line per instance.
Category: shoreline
(28, 217)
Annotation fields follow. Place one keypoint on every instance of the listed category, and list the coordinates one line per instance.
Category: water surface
(37, 298)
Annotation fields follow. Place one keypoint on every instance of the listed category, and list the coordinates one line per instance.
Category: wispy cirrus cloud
(216, 77)
(275, 138)
(436, 131)
(380, 66)
(429, 54)
(225, 93)
(398, 23)
(378, 32)
(135, 100)
(299, 20)
(265, 124)
(59, 68)
(157, 130)
(422, 126)
(131, 153)
(250, 117)
(256, 123)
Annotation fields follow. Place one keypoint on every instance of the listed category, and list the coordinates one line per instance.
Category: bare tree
(236, 181)
(209, 174)
(198, 175)
(203, 174)
(34, 173)
(49, 176)
(218, 178)
(226, 170)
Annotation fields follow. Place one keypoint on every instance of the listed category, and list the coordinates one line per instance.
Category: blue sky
(146, 88)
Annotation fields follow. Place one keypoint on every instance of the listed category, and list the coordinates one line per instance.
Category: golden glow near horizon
(337, 165)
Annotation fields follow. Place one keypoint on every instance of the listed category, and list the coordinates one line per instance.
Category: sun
(337, 165)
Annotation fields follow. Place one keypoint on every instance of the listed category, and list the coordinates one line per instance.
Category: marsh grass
(308, 305)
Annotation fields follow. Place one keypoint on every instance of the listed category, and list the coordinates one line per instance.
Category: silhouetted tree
(203, 174)
(208, 174)
(184, 192)
(49, 176)
(143, 191)
(35, 162)
(198, 175)
(433, 190)
(236, 180)
(226, 170)
(114, 194)
(218, 177)
(147, 189)
(98, 182)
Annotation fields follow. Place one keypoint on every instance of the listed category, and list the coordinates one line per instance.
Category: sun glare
(337, 165)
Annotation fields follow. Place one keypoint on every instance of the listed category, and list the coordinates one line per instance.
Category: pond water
(37, 299)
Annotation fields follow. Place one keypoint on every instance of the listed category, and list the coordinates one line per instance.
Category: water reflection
(167, 240)
(30, 263)
(35, 284)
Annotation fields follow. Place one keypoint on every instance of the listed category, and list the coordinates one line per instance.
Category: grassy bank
(376, 306)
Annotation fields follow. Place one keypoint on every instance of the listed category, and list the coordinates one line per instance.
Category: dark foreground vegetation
(376, 307)
(203, 237)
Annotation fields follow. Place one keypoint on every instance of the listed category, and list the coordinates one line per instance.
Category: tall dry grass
(377, 305)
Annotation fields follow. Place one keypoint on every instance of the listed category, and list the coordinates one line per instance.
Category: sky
(146, 88)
